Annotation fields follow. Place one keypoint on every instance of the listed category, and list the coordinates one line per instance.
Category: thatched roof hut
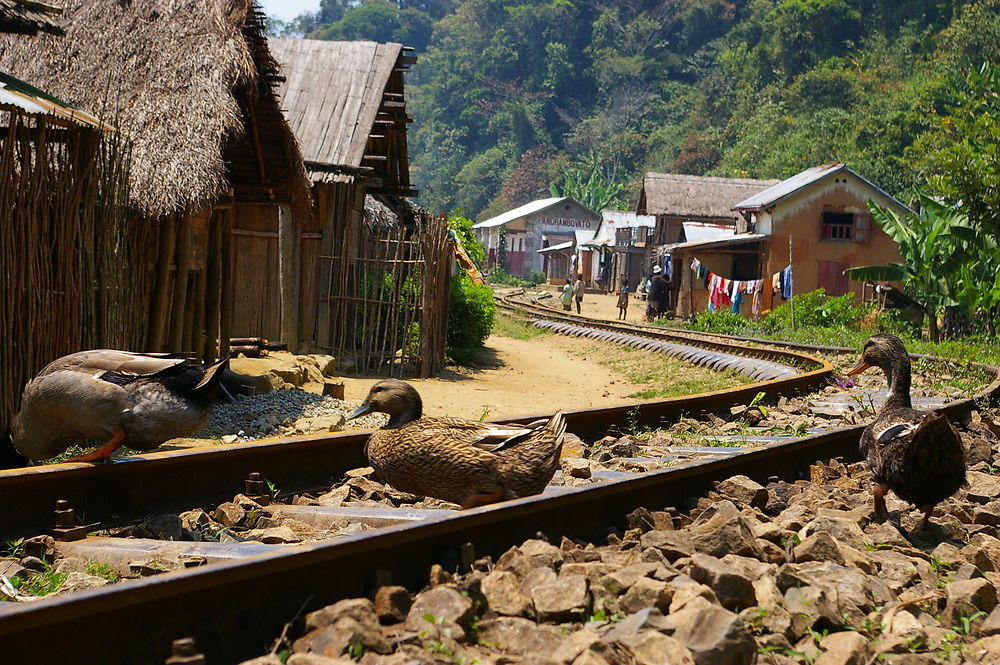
(27, 17)
(185, 82)
(695, 196)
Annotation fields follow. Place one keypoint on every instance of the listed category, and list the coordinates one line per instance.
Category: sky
(288, 9)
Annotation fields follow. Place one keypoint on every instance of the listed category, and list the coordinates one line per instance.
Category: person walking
(567, 296)
(656, 301)
(578, 291)
(623, 302)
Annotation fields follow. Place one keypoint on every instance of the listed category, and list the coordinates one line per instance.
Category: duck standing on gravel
(138, 400)
(916, 454)
(462, 461)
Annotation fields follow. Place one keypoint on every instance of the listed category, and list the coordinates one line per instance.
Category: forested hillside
(513, 97)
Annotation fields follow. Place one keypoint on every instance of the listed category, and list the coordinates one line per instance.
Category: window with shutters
(838, 225)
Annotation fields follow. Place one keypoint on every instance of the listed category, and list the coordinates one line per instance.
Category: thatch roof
(344, 101)
(186, 82)
(695, 196)
(28, 18)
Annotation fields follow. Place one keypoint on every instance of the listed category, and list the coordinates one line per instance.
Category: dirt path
(526, 377)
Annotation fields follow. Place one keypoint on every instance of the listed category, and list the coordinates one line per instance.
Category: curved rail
(235, 609)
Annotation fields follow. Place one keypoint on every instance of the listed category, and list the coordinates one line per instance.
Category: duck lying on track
(916, 454)
(138, 400)
(462, 461)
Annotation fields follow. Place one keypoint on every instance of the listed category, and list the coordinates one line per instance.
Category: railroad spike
(184, 652)
(66, 528)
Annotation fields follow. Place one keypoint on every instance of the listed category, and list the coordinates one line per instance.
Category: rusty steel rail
(234, 610)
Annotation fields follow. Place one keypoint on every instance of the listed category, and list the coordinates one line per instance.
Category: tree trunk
(932, 325)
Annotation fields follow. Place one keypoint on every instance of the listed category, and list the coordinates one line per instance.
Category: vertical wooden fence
(389, 298)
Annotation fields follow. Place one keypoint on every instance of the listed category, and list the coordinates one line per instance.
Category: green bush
(536, 277)
(816, 309)
(470, 318)
(722, 321)
(502, 277)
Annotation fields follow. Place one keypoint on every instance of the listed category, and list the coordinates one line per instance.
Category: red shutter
(862, 226)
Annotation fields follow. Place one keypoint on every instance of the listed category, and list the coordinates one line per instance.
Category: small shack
(534, 231)
(620, 242)
(209, 160)
(346, 104)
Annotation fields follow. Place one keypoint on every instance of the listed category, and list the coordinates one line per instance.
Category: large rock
(845, 648)
(721, 530)
(647, 592)
(392, 604)
(519, 635)
(714, 636)
(966, 598)
(744, 491)
(337, 629)
(672, 544)
(983, 487)
(650, 647)
(504, 595)
(442, 608)
(732, 586)
(565, 599)
(820, 546)
(839, 524)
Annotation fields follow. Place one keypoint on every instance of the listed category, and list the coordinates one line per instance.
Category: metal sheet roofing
(786, 188)
(702, 231)
(15, 92)
(556, 248)
(727, 241)
(522, 211)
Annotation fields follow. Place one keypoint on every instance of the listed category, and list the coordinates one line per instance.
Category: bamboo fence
(389, 299)
(66, 248)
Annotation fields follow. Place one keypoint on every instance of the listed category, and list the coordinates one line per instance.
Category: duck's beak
(360, 411)
(859, 367)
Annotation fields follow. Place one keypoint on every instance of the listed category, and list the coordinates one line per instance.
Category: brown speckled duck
(462, 461)
(137, 400)
(916, 454)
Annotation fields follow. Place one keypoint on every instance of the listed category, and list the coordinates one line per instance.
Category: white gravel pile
(275, 414)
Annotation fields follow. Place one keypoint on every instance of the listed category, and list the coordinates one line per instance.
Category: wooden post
(213, 274)
(329, 208)
(226, 287)
(160, 308)
(178, 307)
(288, 276)
(684, 300)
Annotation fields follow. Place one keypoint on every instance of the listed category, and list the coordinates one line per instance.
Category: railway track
(238, 604)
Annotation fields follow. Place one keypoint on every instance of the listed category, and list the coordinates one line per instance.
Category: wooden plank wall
(256, 304)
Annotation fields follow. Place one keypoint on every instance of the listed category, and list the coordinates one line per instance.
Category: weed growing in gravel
(13, 548)
(40, 584)
(101, 570)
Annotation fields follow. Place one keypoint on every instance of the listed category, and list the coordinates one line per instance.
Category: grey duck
(916, 454)
(138, 400)
(462, 461)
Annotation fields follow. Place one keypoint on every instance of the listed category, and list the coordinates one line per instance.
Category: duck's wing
(127, 363)
(490, 437)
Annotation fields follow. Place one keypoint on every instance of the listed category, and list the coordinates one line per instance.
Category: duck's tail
(529, 465)
(211, 384)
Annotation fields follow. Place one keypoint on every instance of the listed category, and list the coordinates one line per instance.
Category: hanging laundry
(737, 300)
(786, 287)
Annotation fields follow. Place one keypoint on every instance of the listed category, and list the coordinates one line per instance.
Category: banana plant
(935, 245)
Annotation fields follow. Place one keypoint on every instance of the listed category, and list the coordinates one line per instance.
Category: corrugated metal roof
(15, 92)
(701, 231)
(786, 188)
(556, 248)
(626, 219)
(523, 211)
(727, 241)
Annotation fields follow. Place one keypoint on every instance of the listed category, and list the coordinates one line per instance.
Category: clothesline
(724, 292)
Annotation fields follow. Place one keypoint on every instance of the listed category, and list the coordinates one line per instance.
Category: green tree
(462, 227)
(934, 246)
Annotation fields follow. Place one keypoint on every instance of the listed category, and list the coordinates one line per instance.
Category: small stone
(445, 605)
(229, 514)
(721, 530)
(521, 636)
(992, 624)
(983, 487)
(10, 568)
(392, 604)
(672, 544)
(566, 599)
(650, 647)
(647, 592)
(504, 595)
(194, 520)
(575, 467)
(541, 553)
(41, 547)
(334, 629)
(80, 581)
(274, 536)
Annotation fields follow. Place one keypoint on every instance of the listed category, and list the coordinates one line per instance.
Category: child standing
(623, 302)
(567, 296)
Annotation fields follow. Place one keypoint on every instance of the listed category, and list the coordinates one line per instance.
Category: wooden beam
(394, 191)
(288, 276)
(179, 305)
(160, 308)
